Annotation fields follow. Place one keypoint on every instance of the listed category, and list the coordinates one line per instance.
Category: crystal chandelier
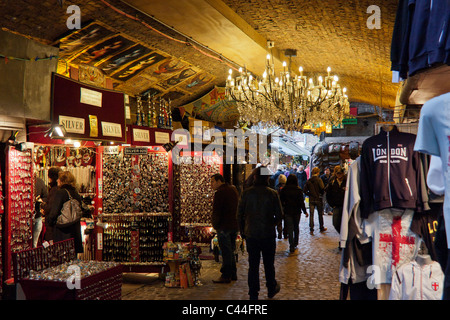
(290, 101)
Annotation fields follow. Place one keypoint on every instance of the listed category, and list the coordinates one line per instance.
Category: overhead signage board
(88, 112)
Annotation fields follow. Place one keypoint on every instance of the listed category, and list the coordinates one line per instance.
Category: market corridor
(311, 273)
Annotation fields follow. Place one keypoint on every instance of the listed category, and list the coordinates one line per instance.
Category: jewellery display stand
(193, 195)
(43, 273)
(135, 206)
(18, 182)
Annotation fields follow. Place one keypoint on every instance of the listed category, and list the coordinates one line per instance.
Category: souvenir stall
(81, 162)
(387, 214)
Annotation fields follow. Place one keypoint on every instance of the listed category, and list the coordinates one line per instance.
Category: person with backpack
(291, 197)
(314, 189)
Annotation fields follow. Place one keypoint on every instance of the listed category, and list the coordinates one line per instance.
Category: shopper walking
(291, 197)
(224, 221)
(301, 177)
(281, 231)
(314, 189)
(258, 213)
(41, 194)
(335, 192)
(67, 184)
(274, 178)
(52, 174)
(326, 176)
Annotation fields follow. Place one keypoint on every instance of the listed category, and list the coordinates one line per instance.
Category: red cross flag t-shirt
(393, 242)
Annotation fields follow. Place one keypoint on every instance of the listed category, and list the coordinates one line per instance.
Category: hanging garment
(413, 282)
(393, 242)
(433, 138)
(356, 257)
(420, 38)
(390, 173)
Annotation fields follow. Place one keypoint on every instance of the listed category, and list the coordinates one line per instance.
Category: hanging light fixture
(288, 100)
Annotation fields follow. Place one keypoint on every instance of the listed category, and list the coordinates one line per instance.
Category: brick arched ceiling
(198, 41)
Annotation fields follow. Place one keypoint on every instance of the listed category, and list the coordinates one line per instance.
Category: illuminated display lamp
(56, 131)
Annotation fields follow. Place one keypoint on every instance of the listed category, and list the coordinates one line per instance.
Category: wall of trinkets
(193, 196)
(18, 181)
(136, 204)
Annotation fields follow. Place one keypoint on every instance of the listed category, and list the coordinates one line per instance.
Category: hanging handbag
(70, 213)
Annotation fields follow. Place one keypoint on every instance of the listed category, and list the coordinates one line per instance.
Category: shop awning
(289, 148)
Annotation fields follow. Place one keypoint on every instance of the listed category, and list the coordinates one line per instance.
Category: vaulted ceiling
(182, 49)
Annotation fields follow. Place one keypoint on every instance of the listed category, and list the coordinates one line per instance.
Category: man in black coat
(258, 214)
(224, 221)
(301, 177)
(335, 193)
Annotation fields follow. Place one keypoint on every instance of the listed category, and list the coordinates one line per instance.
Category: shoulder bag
(71, 213)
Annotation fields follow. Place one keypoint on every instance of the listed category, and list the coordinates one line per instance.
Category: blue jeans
(37, 228)
(227, 244)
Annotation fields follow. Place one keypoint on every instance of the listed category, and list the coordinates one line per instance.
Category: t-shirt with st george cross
(393, 242)
(433, 138)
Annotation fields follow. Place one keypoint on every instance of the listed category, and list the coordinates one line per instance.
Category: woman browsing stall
(67, 185)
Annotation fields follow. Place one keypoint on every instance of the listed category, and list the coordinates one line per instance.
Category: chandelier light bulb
(300, 69)
(230, 71)
(336, 78)
(328, 69)
(345, 90)
(240, 70)
(268, 56)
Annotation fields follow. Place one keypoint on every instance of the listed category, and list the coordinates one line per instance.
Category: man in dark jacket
(301, 177)
(258, 214)
(314, 189)
(224, 221)
(291, 197)
(335, 193)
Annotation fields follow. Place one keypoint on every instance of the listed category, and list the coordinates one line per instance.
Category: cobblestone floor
(311, 273)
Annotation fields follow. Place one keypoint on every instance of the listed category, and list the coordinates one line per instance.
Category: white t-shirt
(433, 138)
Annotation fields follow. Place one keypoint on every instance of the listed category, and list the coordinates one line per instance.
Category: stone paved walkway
(311, 273)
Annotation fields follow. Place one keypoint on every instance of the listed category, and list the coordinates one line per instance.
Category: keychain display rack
(135, 204)
(135, 237)
(193, 195)
(18, 203)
